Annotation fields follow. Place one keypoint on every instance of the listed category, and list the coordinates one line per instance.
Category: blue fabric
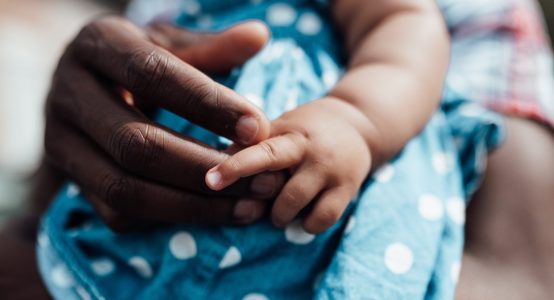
(401, 239)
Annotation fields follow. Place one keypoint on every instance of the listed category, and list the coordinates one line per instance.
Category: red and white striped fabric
(501, 56)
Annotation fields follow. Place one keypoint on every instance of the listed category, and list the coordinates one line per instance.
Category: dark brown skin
(508, 253)
(119, 156)
(517, 248)
(366, 110)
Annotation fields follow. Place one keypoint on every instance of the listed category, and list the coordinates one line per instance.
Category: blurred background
(33, 34)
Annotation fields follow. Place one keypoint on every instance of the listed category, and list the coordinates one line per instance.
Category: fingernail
(247, 129)
(247, 211)
(213, 179)
(263, 185)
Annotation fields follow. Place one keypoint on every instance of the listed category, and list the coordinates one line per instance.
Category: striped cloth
(501, 56)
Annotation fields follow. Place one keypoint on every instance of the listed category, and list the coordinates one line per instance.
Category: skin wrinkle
(19, 237)
(360, 111)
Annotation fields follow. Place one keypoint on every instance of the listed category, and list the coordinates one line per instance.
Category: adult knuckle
(137, 146)
(147, 70)
(115, 189)
(91, 38)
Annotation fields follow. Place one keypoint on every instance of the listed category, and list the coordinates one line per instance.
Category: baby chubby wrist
(367, 129)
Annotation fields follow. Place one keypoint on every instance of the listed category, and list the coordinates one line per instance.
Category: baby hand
(326, 155)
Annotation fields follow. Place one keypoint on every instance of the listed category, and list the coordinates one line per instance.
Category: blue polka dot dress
(402, 237)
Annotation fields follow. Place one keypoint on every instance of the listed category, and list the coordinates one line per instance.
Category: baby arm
(398, 53)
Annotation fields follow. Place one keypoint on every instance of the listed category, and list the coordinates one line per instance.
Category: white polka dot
(471, 110)
(61, 277)
(455, 271)
(255, 296)
(43, 240)
(309, 24)
(281, 14)
(384, 174)
(399, 258)
(231, 258)
(183, 245)
(430, 207)
(297, 235)
(350, 225)
(255, 99)
(330, 78)
(443, 162)
(141, 266)
(191, 7)
(102, 266)
(73, 190)
(317, 280)
(456, 210)
(83, 293)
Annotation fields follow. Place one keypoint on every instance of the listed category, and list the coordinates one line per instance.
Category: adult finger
(276, 153)
(135, 197)
(137, 144)
(121, 52)
(211, 52)
(115, 220)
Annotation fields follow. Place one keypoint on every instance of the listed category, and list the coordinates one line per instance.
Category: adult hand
(128, 166)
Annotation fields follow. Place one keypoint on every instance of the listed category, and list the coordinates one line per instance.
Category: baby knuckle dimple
(294, 199)
(325, 217)
(269, 150)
